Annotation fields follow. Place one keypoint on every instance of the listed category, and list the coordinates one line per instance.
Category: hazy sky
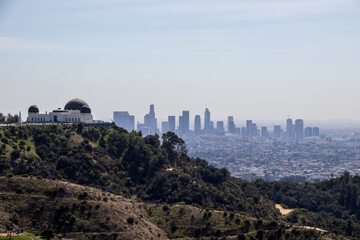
(254, 59)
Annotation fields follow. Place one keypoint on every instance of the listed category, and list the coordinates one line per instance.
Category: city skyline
(259, 59)
(150, 126)
(229, 123)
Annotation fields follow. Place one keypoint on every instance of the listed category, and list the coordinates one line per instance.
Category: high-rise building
(231, 125)
(308, 132)
(207, 121)
(150, 123)
(121, 119)
(186, 115)
(141, 127)
(197, 125)
(172, 126)
(299, 129)
(152, 110)
(316, 132)
(264, 132)
(243, 132)
(277, 131)
(254, 130)
(220, 127)
(249, 128)
(165, 127)
(181, 125)
(289, 128)
(124, 119)
(184, 122)
(131, 123)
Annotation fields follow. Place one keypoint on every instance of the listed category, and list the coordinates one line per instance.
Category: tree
(12, 119)
(2, 118)
(152, 140)
(47, 234)
(241, 236)
(130, 220)
(16, 118)
(173, 144)
(260, 234)
(117, 143)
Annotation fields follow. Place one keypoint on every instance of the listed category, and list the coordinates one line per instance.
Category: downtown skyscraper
(249, 128)
(207, 121)
(172, 125)
(289, 128)
(125, 120)
(197, 124)
(231, 125)
(299, 129)
(150, 123)
(184, 122)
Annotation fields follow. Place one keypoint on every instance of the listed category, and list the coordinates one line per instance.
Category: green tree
(47, 234)
(173, 144)
(2, 118)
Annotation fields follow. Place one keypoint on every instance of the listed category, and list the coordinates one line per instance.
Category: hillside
(74, 211)
(127, 164)
(152, 173)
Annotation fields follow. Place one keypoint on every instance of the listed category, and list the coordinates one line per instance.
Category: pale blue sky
(254, 59)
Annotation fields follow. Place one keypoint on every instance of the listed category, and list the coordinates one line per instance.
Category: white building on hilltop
(76, 110)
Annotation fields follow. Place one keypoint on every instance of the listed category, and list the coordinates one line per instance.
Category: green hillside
(74, 211)
(159, 175)
(128, 164)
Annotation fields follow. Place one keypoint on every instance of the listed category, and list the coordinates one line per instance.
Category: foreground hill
(66, 210)
(128, 164)
(147, 170)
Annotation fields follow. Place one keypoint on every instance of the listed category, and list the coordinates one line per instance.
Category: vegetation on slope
(63, 210)
(127, 164)
(147, 169)
(332, 204)
(26, 236)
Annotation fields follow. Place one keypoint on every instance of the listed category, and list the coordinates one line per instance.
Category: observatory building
(76, 110)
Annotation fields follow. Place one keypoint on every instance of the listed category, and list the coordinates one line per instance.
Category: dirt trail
(308, 227)
(282, 210)
(12, 234)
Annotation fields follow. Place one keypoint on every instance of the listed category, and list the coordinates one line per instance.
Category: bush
(260, 234)
(15, 154)
(47, 234)
(241, 237)
(173, 227)
(14, 219)
(165, 208)
(130, 220)
(82, 195)
(9, 175)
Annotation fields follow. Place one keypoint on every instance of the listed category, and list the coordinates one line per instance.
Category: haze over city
(250, 59)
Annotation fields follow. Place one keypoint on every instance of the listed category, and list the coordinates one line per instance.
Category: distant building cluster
(293, 131)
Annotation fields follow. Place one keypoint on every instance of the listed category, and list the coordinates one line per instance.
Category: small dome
(75, 104)
(85, 109)
(33, 109)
